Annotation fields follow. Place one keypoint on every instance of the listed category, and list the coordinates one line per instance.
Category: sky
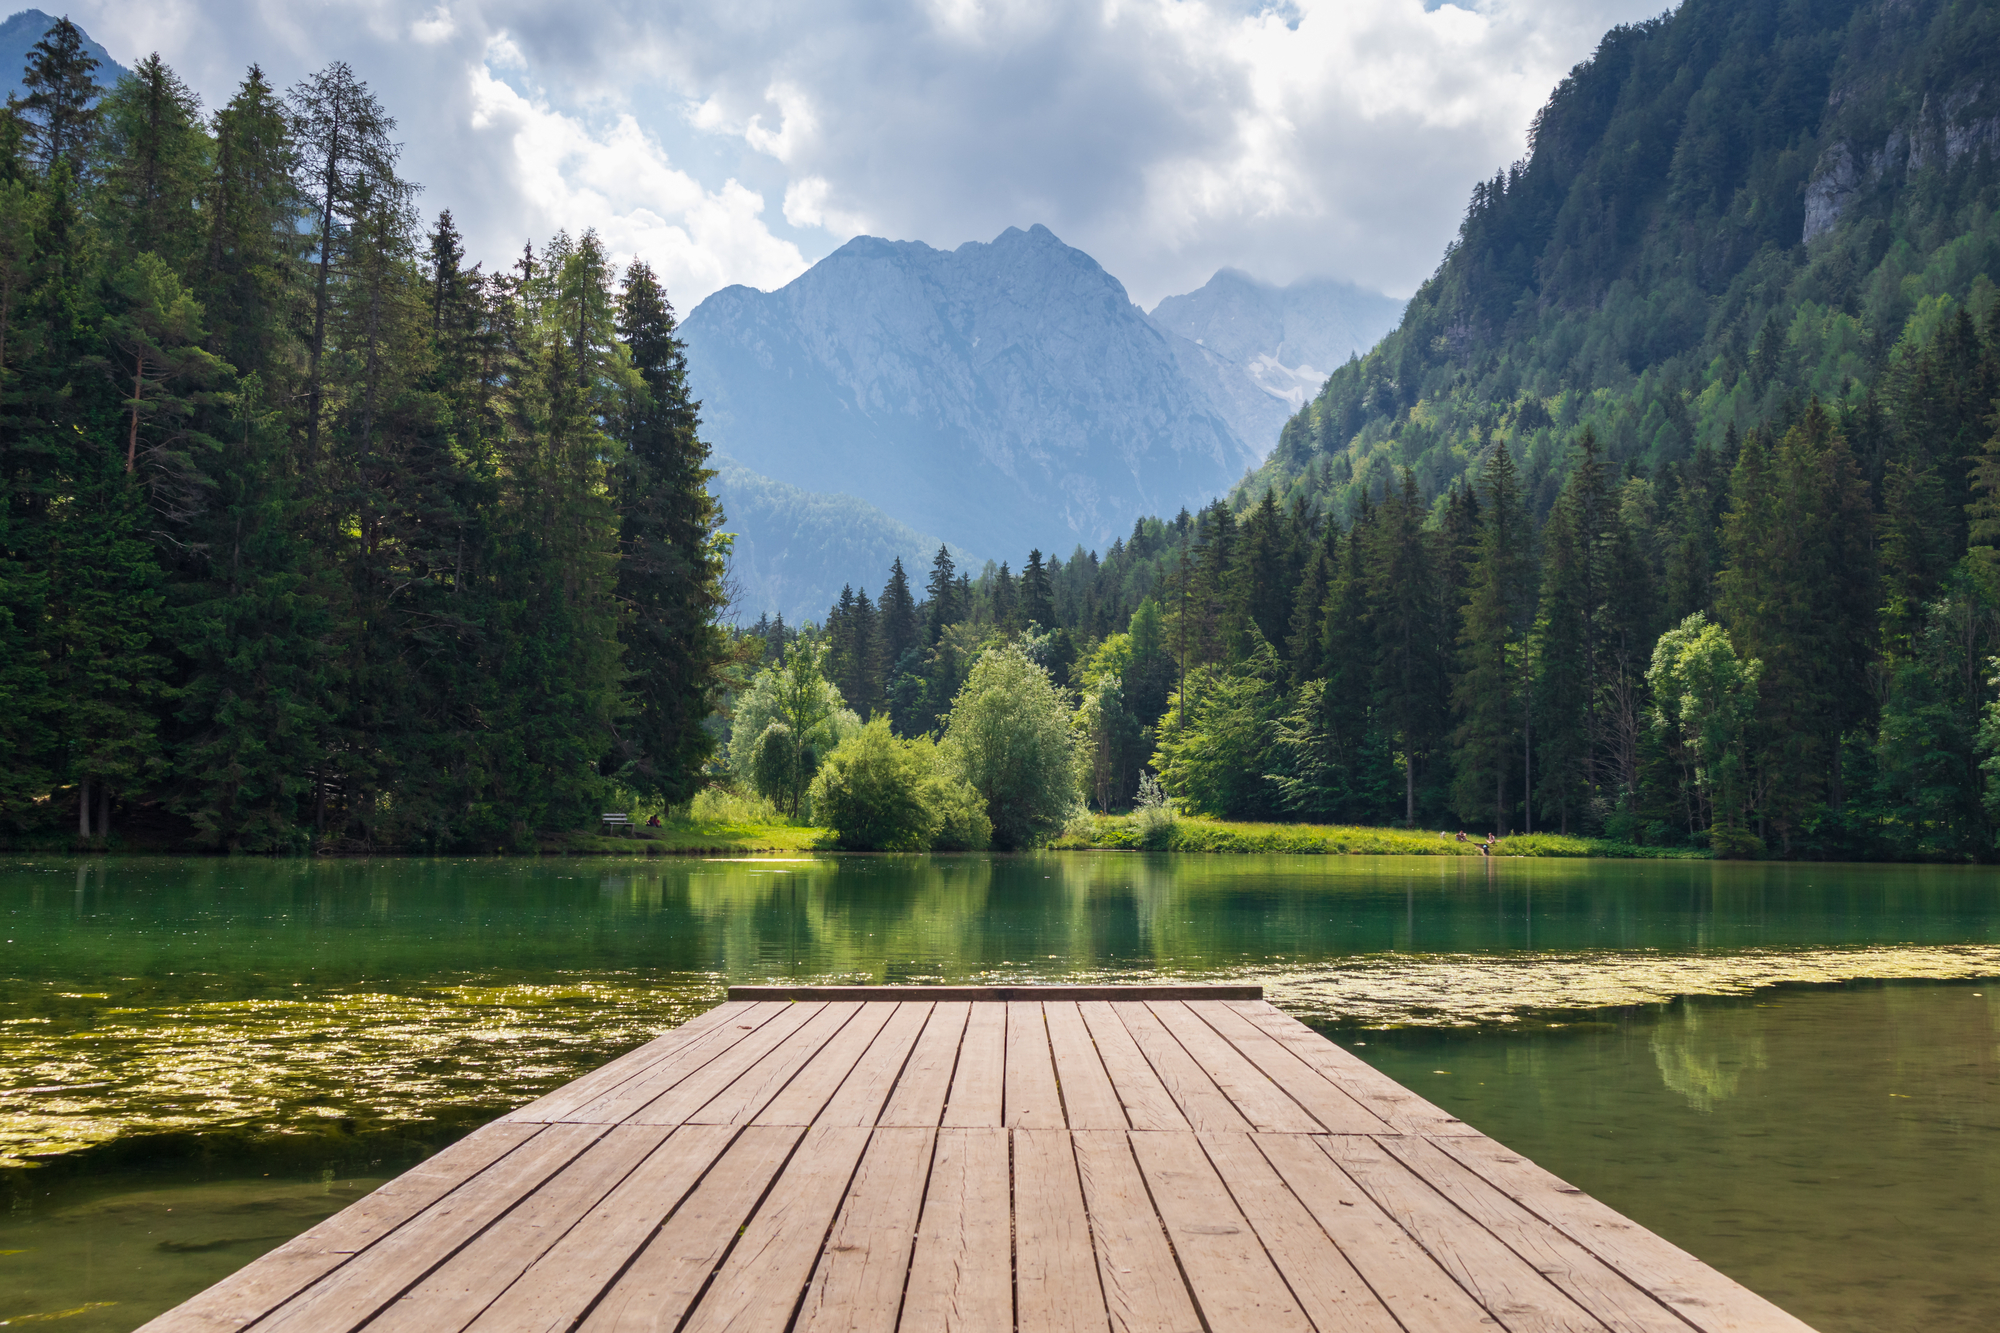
(739, 141)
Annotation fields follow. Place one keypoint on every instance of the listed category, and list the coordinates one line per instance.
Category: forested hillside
(1669, 512)
(313, 533)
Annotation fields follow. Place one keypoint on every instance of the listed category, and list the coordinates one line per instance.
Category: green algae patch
(1198, 834)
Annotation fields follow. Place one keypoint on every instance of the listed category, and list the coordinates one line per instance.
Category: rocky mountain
(1285, 340)
(18, 36)
(1004, 395)
(795, 548)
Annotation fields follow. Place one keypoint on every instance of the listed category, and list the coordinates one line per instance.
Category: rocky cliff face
(1003, 395)
(1284, 341)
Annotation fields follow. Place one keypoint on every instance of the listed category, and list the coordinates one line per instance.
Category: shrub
(1009, 737)
(1153, 818)
(878, 793)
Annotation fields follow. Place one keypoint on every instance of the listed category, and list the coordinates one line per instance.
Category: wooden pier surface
(925, 1160)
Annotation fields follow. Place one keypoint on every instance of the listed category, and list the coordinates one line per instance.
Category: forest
(314, 535)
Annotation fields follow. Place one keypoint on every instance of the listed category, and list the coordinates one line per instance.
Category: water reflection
(1704, 1061)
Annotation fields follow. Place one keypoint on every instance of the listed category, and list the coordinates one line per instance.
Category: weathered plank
(569, 1276)
(1031, 1100)
(655, 1292)
(1704, 1297)
(806, 1095)
(1235, 1284)
(979, 1083)
(1060, 992)
(358, 1290)
(454, 1293)
(1321, 1098)
(919, 1095)
(712, 1030)
(960, 1280)
(858, 1285)
(1395, 1105)
(1498, 1278)
(1325, 1284)
(762, 1280)
(679, 1085)
(1146, 1101)
(1256, 1098)
(1583, 1277)
(1089, 1100)
(1056, 1286)
(1194, 1092)
(861, 1098)
(1143, 1291)
(756, 1087)
(1421, 1295)
(249, 1293)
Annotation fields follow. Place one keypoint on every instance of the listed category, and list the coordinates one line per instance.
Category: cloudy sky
(737, 141)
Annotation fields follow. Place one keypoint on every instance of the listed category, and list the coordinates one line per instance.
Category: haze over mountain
(1000, 395)
(18, 35)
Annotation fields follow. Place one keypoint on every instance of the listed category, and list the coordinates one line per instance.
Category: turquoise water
(1789, 1070)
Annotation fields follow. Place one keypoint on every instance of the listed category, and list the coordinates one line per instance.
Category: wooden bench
(614, 820)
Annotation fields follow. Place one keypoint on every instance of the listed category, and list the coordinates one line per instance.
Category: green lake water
(1792, 1071)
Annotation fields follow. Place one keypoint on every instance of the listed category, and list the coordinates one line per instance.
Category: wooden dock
(1012, 1158)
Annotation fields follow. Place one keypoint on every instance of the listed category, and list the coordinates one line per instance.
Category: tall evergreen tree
(1497, 612)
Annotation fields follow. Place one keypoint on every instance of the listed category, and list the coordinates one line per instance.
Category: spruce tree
(59, 112)
(1488, 690)
(1037, 598)
(1409, 684)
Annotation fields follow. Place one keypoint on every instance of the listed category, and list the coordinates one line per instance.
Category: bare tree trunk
(138, 388)
(1409, 790)
(83, 809)
(103, 809)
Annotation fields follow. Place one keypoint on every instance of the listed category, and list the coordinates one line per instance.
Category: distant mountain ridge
(1003, 394)
(18, 36)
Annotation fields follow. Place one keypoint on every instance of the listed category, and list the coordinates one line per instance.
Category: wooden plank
(858, 1285)
(753, 1089)
(563, 1282)
(919, 1095)
(1089, 1100)
(1699, 1294)
(1193, 1091)
(1143, 1290)
(861, 1098)
(979, 1081)
(1321, 1098)
(1395, 1105)
(761, 1281)
(1031, 1101)
(1173, 992)
(1260, 1101)
(1144, 1098)
(453, 1294)
(680, 1084)
(1403, 1277)
(1056, 1287)
(1234, 1282)
(1499, 1279)
(712, 1030)
(357, 1291)
(249, 1292)
(1583, 1277)
(1325, 1284)
(655, 1292)
(806, 1095)
(960, 1278)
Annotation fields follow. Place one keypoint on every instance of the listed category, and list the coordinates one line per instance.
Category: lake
(1792, 1071)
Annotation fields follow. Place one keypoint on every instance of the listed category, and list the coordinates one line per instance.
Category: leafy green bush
(878, 793)
(1009, 737)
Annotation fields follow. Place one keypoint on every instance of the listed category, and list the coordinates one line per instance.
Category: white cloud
(619, 181)
(1166, 137)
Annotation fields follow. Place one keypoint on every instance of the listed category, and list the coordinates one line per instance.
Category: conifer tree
(249, 274)
(59, 111)
(1497, 611)
(941, 597)
(1409, 678)
(1037, 598)
(154, 156)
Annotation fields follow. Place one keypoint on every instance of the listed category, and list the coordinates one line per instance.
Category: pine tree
(59, 112)
(1497, 611)
(154, 156)
(941, 597)
(1037, 598)
(1409, 680)
(249, 275)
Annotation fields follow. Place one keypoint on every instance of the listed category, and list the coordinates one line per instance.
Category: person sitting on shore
(1461, 835)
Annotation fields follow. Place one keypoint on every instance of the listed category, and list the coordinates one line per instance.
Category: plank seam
(1234, 1046)
(1257, 1235)
(889, 1093)
(750, 1113)
(1111, 1083)
(1560, 1229)
(1166, 1233)
(923, 1206)
(1452, 1204)
(611, 1282)
(453, 1253)
(833, 1219)
(1285, 1183)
